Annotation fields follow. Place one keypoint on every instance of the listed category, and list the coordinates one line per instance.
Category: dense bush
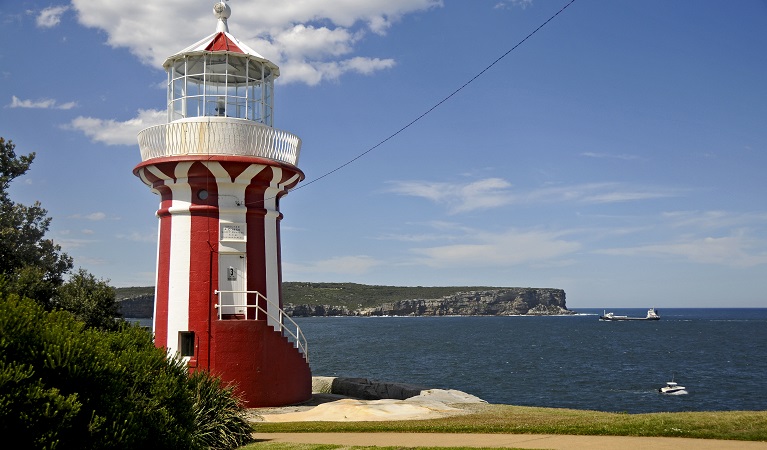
(63, 385)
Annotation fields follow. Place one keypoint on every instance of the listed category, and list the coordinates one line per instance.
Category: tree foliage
(35, 266)
(11, 166)
(90, 300)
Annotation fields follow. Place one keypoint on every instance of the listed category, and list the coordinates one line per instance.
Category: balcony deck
(218, 136)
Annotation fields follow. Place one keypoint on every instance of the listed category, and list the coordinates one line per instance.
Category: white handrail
(298, 337)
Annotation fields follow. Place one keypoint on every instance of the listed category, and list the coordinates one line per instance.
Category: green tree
(90, 300)
(34, 266)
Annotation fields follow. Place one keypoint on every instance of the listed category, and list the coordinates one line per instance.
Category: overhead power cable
(438, 104)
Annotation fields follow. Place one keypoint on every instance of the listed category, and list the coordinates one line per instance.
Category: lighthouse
(220, 169)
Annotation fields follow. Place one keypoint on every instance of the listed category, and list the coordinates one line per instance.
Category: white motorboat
(672, 388)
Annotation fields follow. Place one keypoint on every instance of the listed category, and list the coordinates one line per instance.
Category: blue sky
(617, 154)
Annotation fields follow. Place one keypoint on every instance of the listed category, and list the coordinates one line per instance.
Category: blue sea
(720, 355)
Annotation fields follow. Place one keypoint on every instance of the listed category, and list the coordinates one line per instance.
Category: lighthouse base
(268, 370)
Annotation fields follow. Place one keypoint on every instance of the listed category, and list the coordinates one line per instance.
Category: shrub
(218, 414)
(63, 385)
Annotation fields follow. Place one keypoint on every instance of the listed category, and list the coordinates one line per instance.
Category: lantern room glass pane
(237, 66)
(179, 67)
(254, 70)
(178, 87)
(194, 87)
(194, 107)
(195, 66)
(220, 85)
(177, 110)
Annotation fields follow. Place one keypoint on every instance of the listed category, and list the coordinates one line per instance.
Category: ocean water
(720, 355)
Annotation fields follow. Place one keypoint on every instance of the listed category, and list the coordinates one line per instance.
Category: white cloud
(482, 194)
(599, 193)
(70, 244)
(714, 219)
(736, 250)
(51, 16)
(135, 236)
(508, 4)
(310, 40)
(95, 216)
(366, 66)
(45, 103)
(624, 157)
(491, 193)
(485, 249)
(307, 40)
(410, 237)
(90, 261)
(339, 265)
(112, 132)
(314, 73)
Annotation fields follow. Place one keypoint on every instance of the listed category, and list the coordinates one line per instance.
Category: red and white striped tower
(220, 169)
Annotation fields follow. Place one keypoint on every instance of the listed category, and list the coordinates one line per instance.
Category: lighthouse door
(231, 282)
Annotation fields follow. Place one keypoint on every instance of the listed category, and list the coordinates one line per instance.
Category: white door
(231, 277)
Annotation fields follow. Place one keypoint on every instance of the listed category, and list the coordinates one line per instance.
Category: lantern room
(219, 76)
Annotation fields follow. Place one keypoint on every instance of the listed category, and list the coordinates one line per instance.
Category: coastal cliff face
(140, 306)
(498, 302)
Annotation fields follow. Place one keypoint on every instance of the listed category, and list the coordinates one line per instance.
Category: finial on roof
(222, 11)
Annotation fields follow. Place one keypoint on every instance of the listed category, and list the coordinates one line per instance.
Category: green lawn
(735, 425)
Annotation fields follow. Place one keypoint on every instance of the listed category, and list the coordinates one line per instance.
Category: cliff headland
(485, 302)
(301, 299)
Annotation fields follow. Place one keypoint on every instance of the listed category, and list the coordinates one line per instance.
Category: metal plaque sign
(233, 232)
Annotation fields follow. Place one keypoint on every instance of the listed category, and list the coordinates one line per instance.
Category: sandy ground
(536, 441)
(440, 403)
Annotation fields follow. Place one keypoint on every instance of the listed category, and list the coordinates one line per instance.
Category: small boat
(672, 388)
(652, 314)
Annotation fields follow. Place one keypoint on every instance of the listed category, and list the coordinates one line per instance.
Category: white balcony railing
(220, 136)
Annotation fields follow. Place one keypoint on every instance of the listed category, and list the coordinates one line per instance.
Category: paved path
(535, 441)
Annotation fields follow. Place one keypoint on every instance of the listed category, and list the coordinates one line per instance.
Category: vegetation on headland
(731, 425)
(123, 293)
(352, 296)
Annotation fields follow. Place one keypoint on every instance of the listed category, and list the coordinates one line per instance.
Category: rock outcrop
(140, 306)
(498, 302)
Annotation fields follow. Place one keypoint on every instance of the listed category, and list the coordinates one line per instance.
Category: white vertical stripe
(156, 272)
(272, 245)
(180, 257)
(230, 193)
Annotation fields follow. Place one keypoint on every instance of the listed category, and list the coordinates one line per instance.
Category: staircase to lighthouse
(220, 169)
